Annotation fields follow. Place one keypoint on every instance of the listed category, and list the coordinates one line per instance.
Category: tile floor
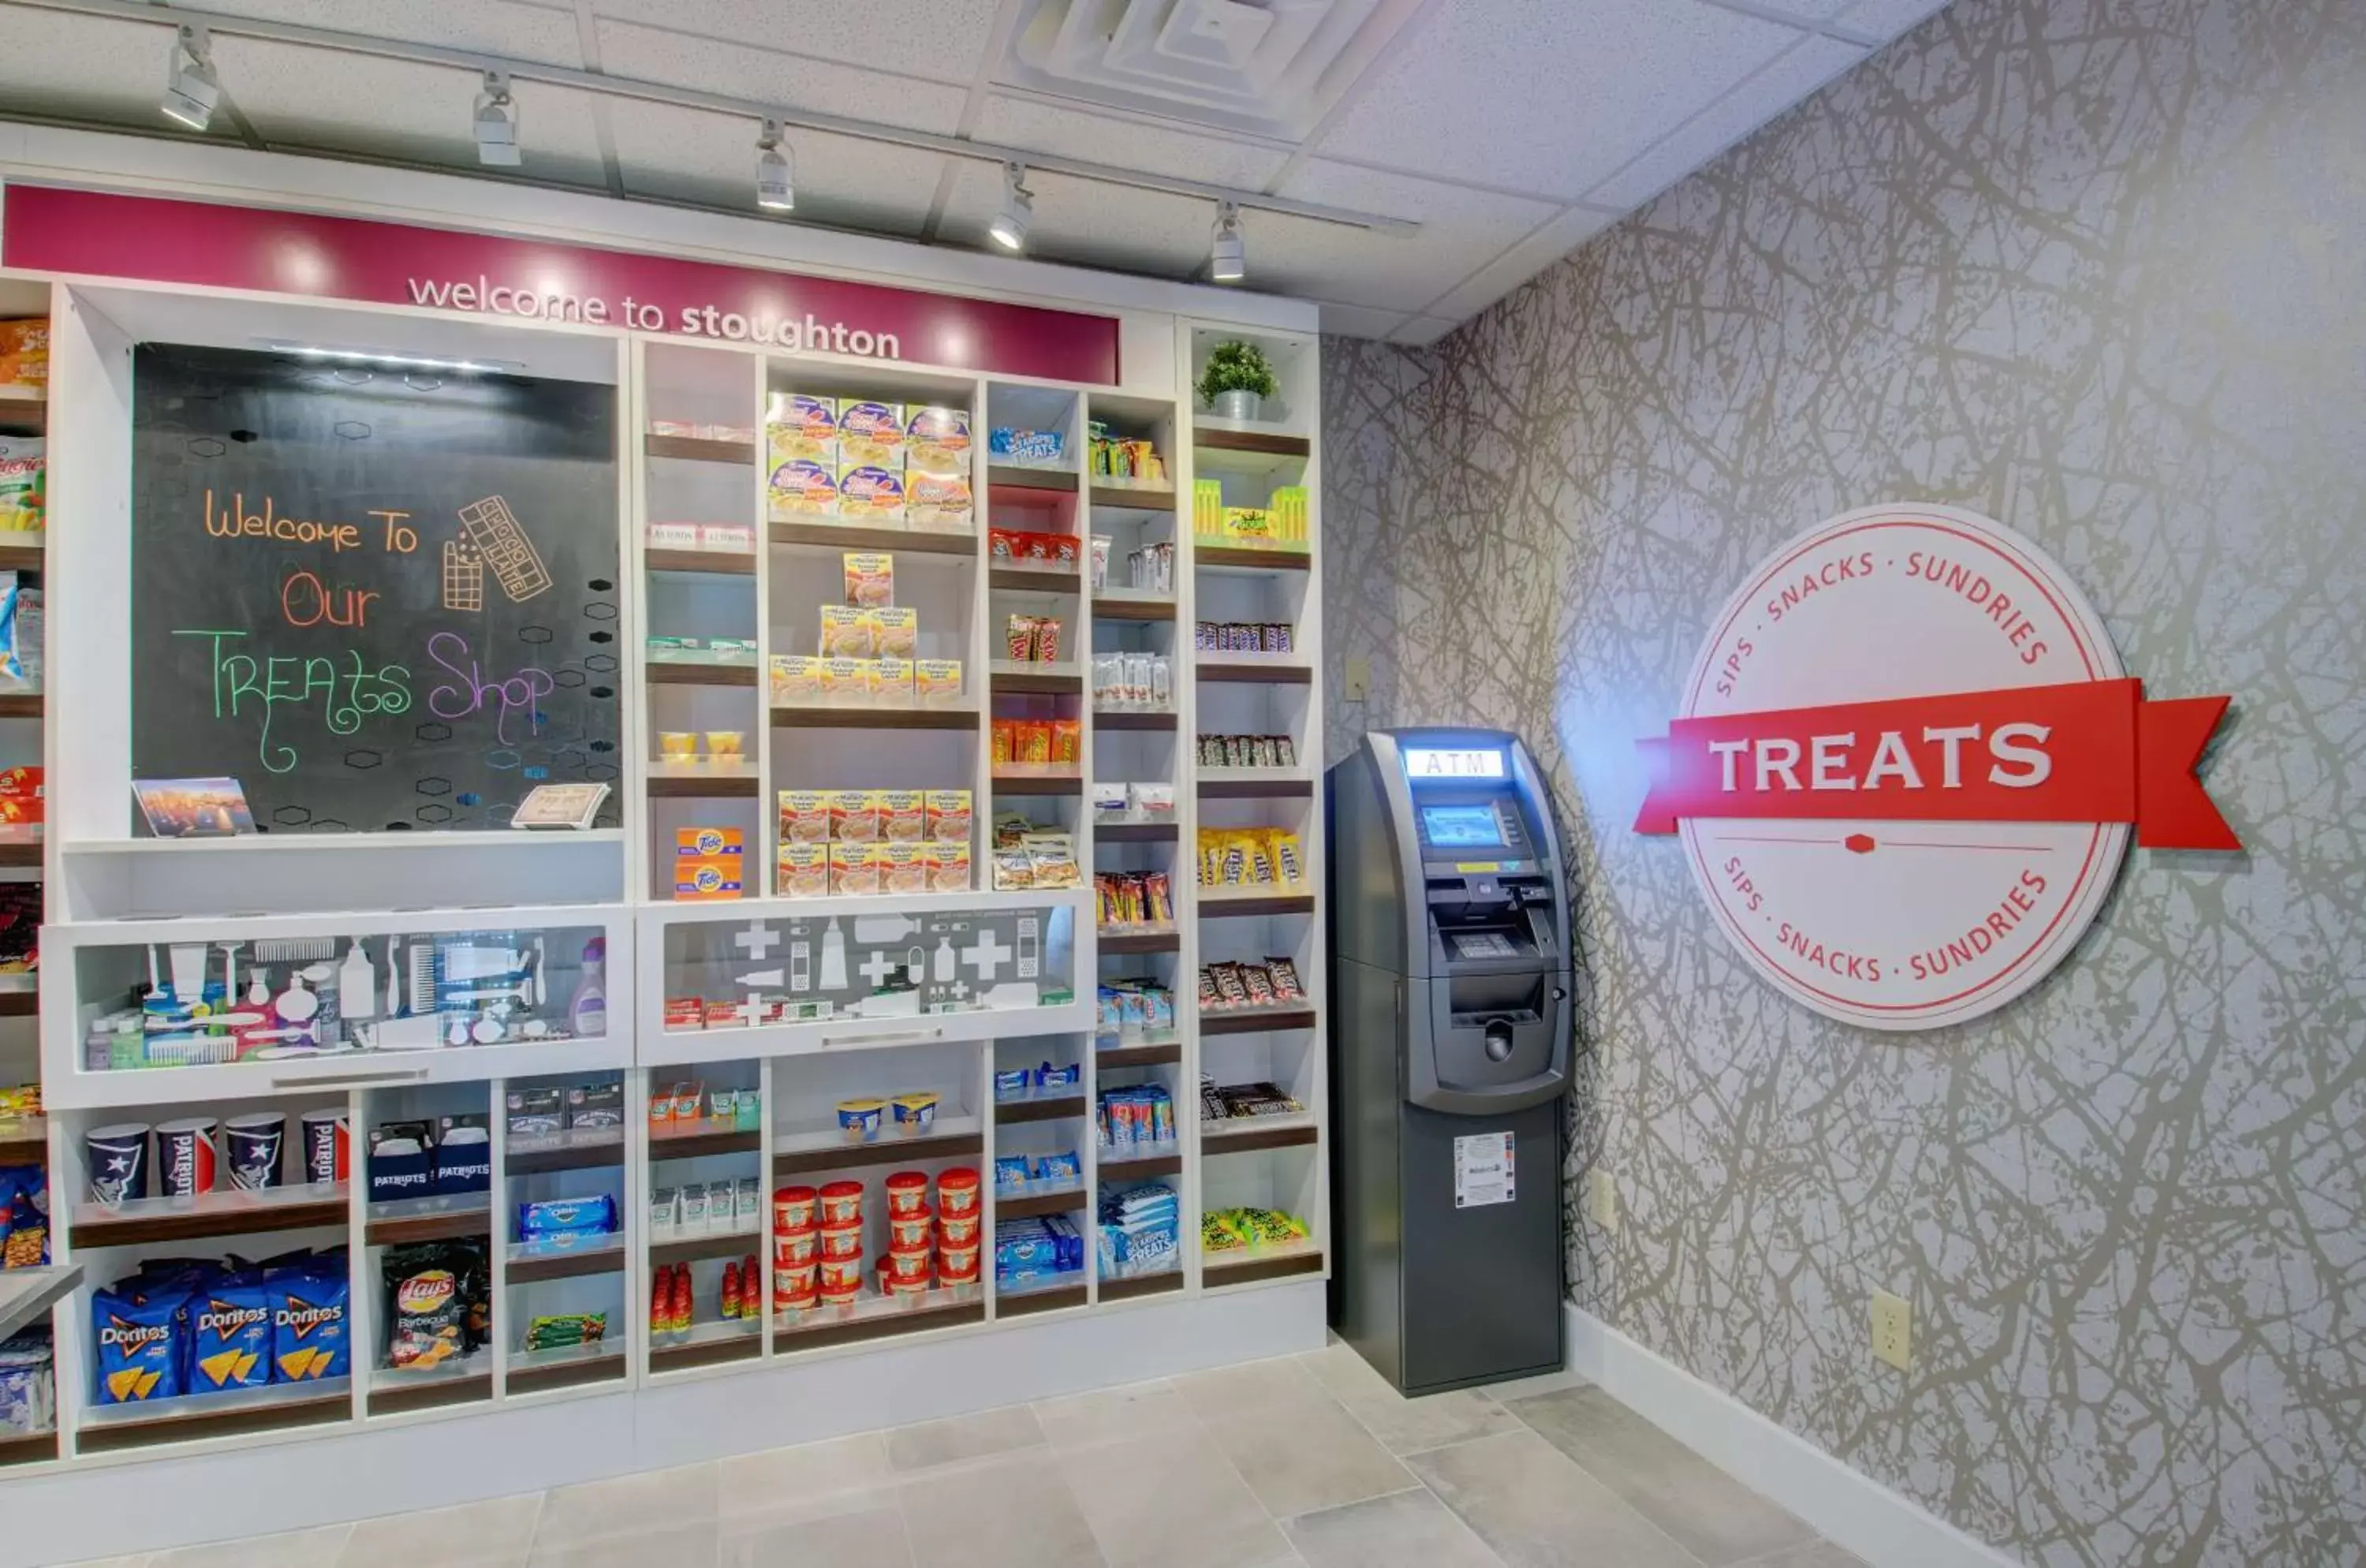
(1309, 1461)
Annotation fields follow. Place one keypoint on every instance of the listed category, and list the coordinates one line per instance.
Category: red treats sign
(1907, 764)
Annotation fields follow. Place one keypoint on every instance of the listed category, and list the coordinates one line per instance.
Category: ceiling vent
(1270, 68)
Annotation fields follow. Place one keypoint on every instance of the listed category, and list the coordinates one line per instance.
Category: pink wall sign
(99, 234)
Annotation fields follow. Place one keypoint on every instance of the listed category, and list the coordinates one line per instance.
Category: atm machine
(1449, 1053)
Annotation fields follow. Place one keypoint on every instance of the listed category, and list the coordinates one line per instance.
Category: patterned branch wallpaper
(2098, 269)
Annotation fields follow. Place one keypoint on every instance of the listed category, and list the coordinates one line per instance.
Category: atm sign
(1439, 764)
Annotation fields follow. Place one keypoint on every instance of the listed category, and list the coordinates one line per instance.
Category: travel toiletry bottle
(587, 1015)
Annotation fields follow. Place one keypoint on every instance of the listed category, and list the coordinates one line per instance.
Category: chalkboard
(380, 599)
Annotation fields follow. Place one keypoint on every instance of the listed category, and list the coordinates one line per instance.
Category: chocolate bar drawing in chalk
(464, 577)
(501, 544)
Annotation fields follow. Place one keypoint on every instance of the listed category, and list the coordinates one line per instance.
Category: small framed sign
(194, 809)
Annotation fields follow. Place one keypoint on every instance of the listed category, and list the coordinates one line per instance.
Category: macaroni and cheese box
(800, 427)
(871, 434)
(854, 868)
(804, 870)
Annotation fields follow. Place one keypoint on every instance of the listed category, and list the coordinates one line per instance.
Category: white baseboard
(173, 1498)
(1850, 1509)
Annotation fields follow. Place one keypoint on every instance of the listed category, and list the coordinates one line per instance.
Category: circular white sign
(1894, 924)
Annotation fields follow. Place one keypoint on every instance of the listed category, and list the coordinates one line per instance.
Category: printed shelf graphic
(1907, 763)
(311, 547)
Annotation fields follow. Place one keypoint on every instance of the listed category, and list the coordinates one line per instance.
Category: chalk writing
(342, 687)
(511, 694)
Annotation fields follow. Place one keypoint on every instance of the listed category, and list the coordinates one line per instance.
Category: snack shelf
(25, 1140)
(678, 673)
(1155, 1054)
(191, 1418)
(1255, 669)
(953, 1137)
(31, 1447)
(1215, 903)
(1058, 1295)
(21, 704)
(1135, 719)
(1256, 784)
(145, 1220)
(1136, 833)
(853, 536)
(1123, 941)
(693, 781)
(700, 1145)
(1129, 1287)
(1132, 604)
(732, 1244)
(463, 1381)
(567, 1366)
(694, 449)
(877, 1317)
(601, 1147)
(1253, 1266)
(720, 563)
(428, 1219)
(707, 1345)
(1232, 435)
(22, 558)
(527, 1263)
(789, 716)
(1247, 1134)
(1028, 1206)
(1025, 675)
(1020, 476)
(1035, 580)
(1237, 557)
(17, 852)
(1033, 1108)
(1134, 497)
(1256, 1020)
(1039, 783)
(1137, 1166)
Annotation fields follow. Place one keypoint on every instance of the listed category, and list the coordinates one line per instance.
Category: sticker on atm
(1467, 867)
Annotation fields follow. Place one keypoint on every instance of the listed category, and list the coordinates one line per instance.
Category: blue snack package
(230, 1335)
(308, 1328)
(1010, 1170)
(1048, 1077)
(1060, 1167)
(567, 1216)
(142, 1345)
(1012, 1084)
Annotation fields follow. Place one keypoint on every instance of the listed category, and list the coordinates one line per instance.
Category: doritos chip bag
(308, 1322)
(142, 1349)
(230, 1335)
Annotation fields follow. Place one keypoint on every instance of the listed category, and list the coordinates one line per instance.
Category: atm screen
(1461, 827)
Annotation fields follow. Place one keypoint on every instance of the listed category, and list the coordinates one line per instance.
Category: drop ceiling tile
(118, 69)
(749, 71)
(1523, 261)
(1462, 231)
(1420, 332)
(1084, 223)
(709, 160)
(513, 28)
(1807, 66)
(1104, 138)
(1547, 95)
(1356, 321)
(944, 40)
(315, 101)
(1888, 18)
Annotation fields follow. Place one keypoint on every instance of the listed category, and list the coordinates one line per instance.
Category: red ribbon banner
(2089, 751)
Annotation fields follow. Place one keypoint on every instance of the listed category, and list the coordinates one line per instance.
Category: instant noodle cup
(957, 1191)
(839, 1274)
(859, 1119)
(907, 1193)
(795, 1248)
(958, 1230)
(841, 1203)
(841, 1241)
(906, 1233)
(958, 1265)
(796, 1208)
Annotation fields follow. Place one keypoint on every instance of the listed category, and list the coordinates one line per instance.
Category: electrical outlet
(1602, 1199)
(1893, 1330)
(1359, 684)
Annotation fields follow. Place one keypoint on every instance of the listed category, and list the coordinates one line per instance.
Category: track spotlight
(496, 123)
(1228, 260)
(191, 88)
(1009, 229)
(776, 171)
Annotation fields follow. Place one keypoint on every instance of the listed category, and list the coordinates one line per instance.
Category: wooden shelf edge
(1253, 1140)
(191, 1426)
(691, 1250)
(1272, 444)
(609, 1367)
(853, 536)
(138, 1230)
(1139, 1055)
(719, 563)
(701, 451)
(579, 1157)
(566, 1265)
(674, 787)
(1055, 1298)
(1256, 1020)
(393, 1399)
(1142, 1285)
(714, 1353)
(1016, 476)
(1249, 1270)
(919, 1320)
(787, 717)
(1035, 1204)
(699, 1146)
(887, 1151)
(1007, 1112)
(701, 674)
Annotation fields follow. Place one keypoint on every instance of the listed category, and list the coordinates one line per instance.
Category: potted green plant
(1237, 381)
